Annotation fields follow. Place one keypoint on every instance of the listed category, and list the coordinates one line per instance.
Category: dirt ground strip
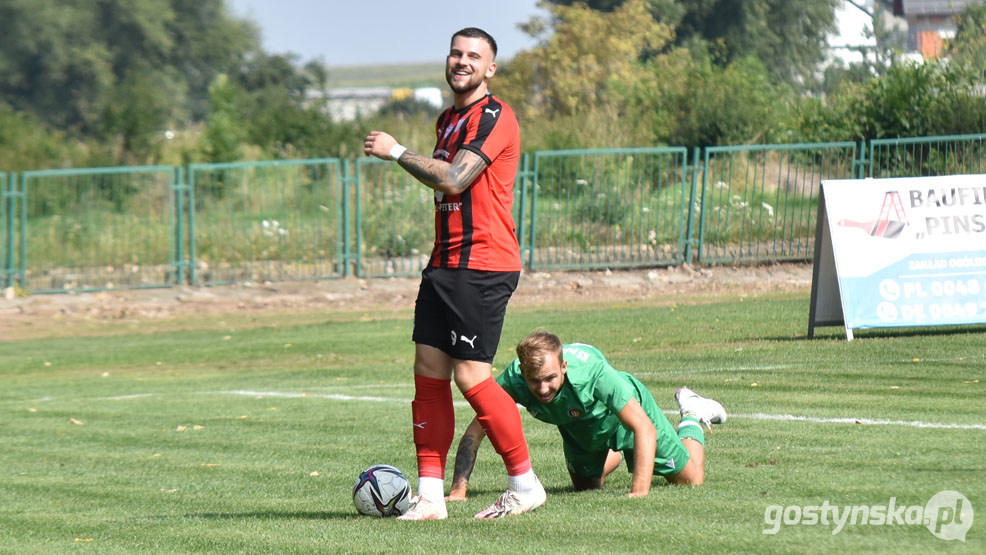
(536, 288)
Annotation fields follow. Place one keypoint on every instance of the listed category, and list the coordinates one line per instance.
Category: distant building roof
(930, 7)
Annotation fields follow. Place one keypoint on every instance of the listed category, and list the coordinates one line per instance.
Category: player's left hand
(378, 144)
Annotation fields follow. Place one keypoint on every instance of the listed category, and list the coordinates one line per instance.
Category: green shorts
(670, 459)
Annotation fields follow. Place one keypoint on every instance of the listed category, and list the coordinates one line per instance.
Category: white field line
(864, 421)
(659, 373)
(757, 416)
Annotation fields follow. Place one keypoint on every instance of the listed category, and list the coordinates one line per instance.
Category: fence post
(8, 212)
(691, 171)
(862, 161)
(178, 188)
(349, 251)
(524, 175)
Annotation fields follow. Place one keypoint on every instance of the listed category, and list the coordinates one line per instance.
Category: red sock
(498, 415)
(433, 418)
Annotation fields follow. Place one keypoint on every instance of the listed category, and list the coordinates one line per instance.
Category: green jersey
(586, 407)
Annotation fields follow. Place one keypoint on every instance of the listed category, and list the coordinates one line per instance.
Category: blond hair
(533, 349)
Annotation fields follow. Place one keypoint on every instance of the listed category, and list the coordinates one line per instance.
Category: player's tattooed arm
(448, 177)
(465, 460)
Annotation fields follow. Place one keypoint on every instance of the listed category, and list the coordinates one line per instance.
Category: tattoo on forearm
(426, 170)
(465, 458)
(447, 177)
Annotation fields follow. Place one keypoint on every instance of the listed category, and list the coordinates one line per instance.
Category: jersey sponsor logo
(494, 112)
(469, 341)
(453, 128)
(575, 413)
(448, 206)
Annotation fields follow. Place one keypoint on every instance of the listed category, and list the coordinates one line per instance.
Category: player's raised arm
(450, 178)
(465, 460)
(644, 446)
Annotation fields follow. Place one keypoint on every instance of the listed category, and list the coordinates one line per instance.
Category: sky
(370, 32)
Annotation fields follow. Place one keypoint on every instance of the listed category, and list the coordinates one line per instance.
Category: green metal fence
(928, 156)
(265, 221)
(96, 229)
(148, 226)
(759, 203)
(395, 220)
(608, 208)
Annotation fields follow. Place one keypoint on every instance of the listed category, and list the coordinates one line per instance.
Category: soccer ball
(382, 490)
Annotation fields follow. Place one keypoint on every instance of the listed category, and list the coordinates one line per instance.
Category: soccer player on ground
(603, 415)
(473, 271)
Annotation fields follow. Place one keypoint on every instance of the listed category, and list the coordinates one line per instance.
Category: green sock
(692, 428)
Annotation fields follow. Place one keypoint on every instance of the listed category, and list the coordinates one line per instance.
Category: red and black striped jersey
(475, 229)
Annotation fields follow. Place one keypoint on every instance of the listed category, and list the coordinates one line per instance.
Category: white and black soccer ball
(382, 491)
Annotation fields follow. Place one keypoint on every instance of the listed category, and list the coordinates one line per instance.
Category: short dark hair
(534, 348)
(477, 33)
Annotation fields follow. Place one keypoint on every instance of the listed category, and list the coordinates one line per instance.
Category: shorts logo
(453, 337)
(670, 463)
(469, 341)
(575, 413)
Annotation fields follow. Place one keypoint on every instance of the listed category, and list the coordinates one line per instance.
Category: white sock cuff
(523, 483)
(684, 423)
(432, 489)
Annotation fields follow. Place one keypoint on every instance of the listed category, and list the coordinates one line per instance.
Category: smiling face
(545, 382)
(468, 66)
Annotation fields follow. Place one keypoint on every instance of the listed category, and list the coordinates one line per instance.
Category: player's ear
(491, 71)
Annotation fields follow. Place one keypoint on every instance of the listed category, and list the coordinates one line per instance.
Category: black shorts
(461, 312)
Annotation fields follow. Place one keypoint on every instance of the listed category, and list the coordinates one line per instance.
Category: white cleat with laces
(707, 410)
(513, 503)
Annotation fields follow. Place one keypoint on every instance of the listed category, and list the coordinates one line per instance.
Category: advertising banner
(907, 251)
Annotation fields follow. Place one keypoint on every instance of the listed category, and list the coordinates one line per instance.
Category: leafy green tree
(909, 100)
(969, 45)
(586, 51)
(788, 37)
(117, 70)
(224, 135)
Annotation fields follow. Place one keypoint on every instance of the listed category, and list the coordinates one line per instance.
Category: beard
(470, 84)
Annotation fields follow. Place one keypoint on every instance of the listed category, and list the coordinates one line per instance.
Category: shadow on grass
(270, 515)
(838, 333)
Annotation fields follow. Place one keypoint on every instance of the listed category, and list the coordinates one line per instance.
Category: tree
(968, 48)
(788, 37)
(117, 70)
(572, 71)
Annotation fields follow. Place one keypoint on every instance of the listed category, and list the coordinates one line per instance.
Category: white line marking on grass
(757, 416)
(331, 396)
(659, 373)
(126, 397)
(866, 421)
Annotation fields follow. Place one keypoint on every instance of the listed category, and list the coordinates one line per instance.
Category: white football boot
(512, 503)
(706, 410)
(423, 508)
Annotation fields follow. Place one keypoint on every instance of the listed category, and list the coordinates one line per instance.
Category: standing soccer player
(473, 271)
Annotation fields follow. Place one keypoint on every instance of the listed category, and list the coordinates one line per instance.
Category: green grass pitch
(240, 433)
